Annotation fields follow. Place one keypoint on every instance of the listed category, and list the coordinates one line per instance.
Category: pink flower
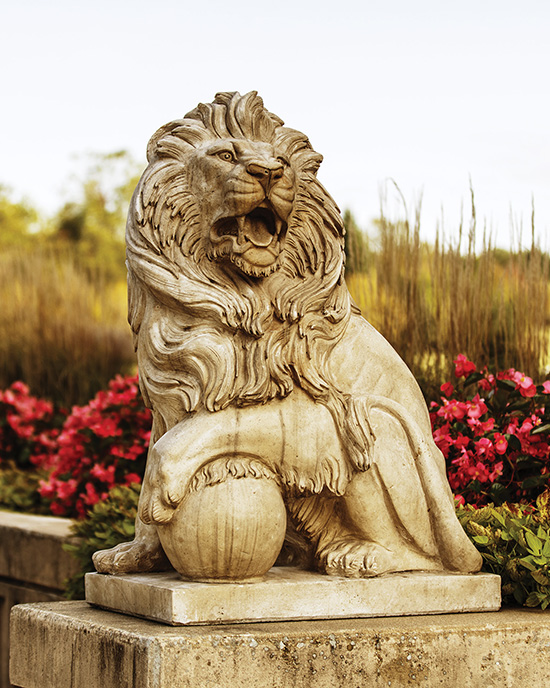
(66, 489)
(524, 384)
(487, 383)
(500, 443)
(546, 387)
(476, 407)
(484, 449)
(497, 471)
(442, 439)
(105, 474)
(452, 410)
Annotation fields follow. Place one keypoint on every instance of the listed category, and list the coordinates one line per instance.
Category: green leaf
(540, 578)
(540, 429)
(526, 561)
(533, 481)
(507, 385)
(533, 599)
(541, 561)
(513, 442)
(499, 493)
(480, 539)
(519, 595)
(498, 517)
(535, 545)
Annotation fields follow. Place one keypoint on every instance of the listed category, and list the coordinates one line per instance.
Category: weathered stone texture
(70, 645)
(33, 568)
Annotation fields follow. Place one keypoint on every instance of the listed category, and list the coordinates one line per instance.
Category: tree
(18, 220)
(92, 226)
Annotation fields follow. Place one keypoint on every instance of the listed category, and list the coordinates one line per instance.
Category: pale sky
(428, 93)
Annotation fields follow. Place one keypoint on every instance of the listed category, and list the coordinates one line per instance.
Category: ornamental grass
(434, 301)
(63, 329)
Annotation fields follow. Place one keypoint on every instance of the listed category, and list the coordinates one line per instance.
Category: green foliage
(19, 491)
(17, 219)
(92, 226)
(108, 523)
(514, 541)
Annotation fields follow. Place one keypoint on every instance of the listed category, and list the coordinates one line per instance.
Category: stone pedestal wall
(72, 645)
(33, 568)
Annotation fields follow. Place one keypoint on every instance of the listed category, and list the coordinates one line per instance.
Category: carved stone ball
(229, 531)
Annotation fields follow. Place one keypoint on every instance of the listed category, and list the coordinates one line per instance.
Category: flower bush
(29, 428)
(494, 431)
(100, 445)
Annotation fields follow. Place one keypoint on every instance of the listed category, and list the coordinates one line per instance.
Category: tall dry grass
(63, 330)
(434, 302)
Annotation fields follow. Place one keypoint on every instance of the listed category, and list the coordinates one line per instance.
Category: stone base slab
(291, 594)
(72, 645)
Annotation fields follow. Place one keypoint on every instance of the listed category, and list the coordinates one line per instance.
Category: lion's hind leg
(339, 550)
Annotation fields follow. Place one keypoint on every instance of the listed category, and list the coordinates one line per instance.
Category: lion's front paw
(130, 557)
(355, 559)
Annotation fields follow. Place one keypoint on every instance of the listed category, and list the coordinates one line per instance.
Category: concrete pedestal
(289, 594)
(72, 645)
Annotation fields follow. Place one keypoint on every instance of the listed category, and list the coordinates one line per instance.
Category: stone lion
(272, 397)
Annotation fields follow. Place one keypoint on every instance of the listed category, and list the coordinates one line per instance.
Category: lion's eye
(283, 161)
(226, 155)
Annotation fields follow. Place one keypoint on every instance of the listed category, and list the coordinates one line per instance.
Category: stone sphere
(229, 531)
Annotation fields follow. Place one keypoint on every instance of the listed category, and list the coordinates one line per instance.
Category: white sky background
(426, 92)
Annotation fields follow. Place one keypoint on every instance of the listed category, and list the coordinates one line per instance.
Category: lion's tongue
(255, 230)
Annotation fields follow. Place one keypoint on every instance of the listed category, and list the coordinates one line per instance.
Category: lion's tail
(356, 433)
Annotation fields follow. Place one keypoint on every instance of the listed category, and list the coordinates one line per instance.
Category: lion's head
(235, 264)
(246, 190)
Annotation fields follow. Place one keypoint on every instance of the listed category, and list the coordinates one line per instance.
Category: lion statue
(278, 410)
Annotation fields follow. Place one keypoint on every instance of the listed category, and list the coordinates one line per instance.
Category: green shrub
(19, 490)
(109, 523)
(514, 541)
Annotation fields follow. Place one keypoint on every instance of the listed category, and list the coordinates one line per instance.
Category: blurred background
(431, 117)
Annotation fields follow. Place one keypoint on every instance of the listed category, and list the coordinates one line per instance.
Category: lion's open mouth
(259, 227)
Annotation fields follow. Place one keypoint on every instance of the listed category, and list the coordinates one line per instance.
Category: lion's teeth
(241, 224)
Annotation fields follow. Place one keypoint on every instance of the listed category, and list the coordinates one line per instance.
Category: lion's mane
(208, 335)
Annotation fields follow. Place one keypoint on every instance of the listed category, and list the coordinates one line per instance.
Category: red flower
(447, 389)
(463, 367)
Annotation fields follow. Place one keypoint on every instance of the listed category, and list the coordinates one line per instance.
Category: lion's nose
(265, 171)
